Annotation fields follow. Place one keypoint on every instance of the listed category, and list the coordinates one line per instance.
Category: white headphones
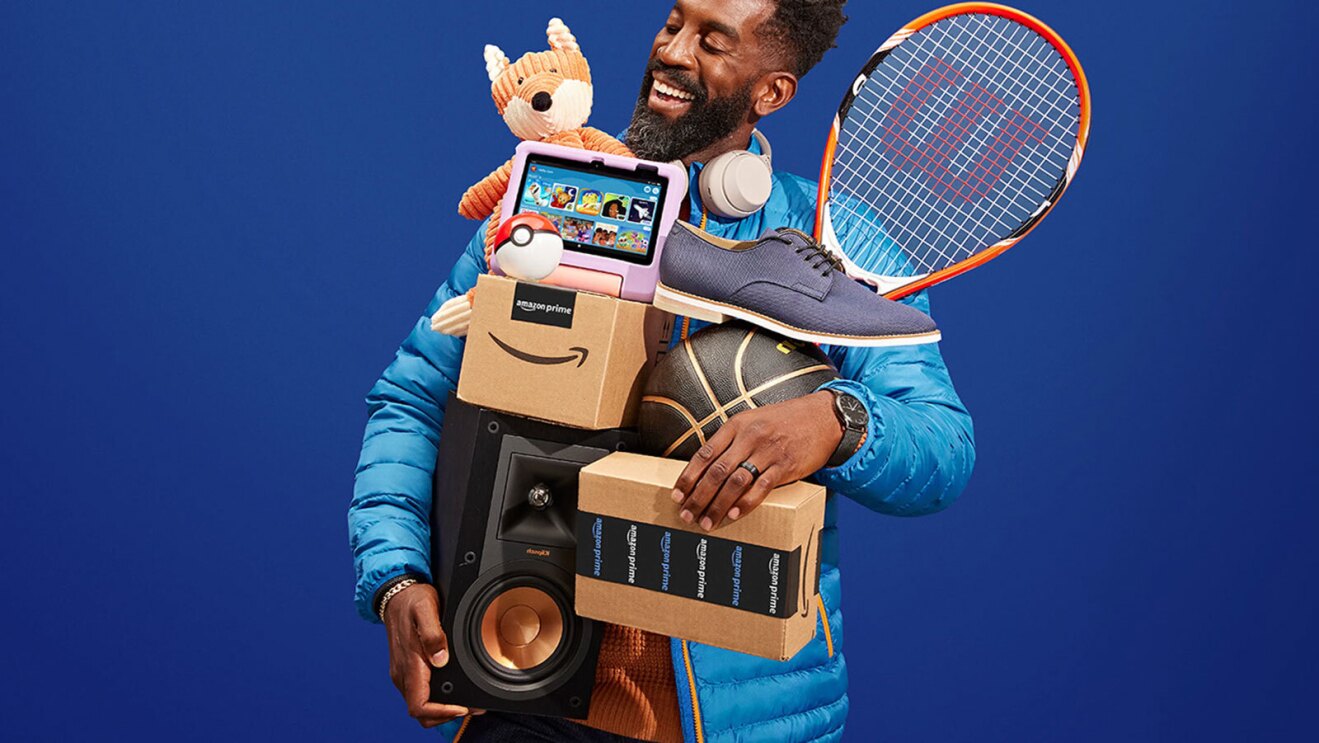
(736, 184)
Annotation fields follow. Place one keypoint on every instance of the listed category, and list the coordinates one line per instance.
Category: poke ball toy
(528, 247)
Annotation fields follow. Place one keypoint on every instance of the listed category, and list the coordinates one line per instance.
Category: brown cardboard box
(573, 358)
(639, 565)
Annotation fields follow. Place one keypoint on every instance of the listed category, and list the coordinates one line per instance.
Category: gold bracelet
(393, 591)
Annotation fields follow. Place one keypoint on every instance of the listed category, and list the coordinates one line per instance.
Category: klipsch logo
(579, 354)
(543, 305)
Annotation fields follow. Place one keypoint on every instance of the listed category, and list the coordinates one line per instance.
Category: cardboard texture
(629, 533)
(573, 358)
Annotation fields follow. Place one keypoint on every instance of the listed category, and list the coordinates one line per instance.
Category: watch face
(853, 411)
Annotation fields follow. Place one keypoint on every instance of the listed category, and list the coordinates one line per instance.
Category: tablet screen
(598, 209)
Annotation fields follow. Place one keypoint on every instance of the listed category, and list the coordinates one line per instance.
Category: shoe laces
(812, 252)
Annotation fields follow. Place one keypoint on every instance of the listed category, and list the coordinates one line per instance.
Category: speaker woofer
(521, 628)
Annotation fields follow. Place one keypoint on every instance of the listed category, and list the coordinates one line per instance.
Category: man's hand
(785, 441)
(417, 642)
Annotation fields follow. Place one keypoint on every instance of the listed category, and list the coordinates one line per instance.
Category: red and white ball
(528, 247)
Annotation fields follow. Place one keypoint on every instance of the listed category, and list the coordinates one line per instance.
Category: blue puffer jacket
(916, 460)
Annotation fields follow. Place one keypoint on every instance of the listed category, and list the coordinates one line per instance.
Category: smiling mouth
(670, 92)
(668, 97)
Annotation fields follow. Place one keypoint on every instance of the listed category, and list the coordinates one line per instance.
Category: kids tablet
(613, 213)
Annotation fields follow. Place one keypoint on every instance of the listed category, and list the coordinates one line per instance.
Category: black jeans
(502, 727)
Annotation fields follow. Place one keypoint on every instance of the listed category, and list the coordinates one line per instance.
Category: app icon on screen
(578, 230)
(632, 241)
(537, 194)
(563, 197)
(605, 234)
(616, 206)
(642, 211)
(588, 202)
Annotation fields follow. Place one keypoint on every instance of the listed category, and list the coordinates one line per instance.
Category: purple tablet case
(638, 281)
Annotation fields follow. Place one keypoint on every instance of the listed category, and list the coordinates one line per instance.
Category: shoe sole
(681, 303)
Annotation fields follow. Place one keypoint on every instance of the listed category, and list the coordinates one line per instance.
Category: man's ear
(773, 91)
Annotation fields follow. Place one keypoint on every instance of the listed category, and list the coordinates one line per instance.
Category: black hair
(801, 31)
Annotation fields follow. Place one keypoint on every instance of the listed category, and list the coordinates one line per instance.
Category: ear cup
(737, 184)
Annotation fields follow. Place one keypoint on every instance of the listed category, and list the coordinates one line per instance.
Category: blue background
(217, 220)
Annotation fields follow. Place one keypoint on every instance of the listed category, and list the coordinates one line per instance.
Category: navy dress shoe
(784, 282)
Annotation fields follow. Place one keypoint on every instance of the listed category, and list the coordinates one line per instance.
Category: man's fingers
(755, 494)
(732, 491)
(417, 691)
(434, 715)
(704, 457)
(433, 642)
(693, 509)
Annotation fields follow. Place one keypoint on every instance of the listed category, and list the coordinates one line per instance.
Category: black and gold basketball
(717, 373)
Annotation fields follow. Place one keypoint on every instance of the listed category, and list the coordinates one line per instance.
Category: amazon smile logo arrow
(579, 354)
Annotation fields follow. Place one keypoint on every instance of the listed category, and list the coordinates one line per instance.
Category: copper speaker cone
(521, 628)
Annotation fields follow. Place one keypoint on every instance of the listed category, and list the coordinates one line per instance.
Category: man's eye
(707, 46)
(671, 29)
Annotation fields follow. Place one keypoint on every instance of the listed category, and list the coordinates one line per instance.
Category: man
(716, 68)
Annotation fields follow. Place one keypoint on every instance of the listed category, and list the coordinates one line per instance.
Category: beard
(651, 136)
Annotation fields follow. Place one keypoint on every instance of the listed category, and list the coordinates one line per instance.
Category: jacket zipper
(691, 687)
(824, 619)
(462, 728)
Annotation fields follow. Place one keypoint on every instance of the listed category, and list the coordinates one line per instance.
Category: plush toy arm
(568, 138)
(454, 317)
(598, 141)
(483, 199)
(492, 228)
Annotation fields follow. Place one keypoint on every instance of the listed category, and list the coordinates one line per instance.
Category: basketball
(716, 374)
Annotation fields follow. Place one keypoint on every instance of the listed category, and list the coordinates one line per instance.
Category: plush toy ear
(495, 61)
(560, 37)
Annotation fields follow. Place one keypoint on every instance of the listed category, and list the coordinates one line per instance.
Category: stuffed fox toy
(546, 97)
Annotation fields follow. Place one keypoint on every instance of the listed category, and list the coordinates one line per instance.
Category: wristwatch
(855, 418)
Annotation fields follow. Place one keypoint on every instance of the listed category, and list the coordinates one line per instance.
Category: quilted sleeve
(389, 517)
(919, 452)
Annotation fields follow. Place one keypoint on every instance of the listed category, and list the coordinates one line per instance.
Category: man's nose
(541, 101)
(677, 52)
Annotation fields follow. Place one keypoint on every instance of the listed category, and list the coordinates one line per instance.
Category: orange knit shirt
(635, 694)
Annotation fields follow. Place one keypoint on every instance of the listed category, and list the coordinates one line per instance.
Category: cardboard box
(573, 358)
(748, 586)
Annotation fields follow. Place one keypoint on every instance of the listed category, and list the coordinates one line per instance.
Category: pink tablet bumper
(609, 197)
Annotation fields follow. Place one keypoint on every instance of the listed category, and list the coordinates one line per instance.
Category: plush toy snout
(540, 104)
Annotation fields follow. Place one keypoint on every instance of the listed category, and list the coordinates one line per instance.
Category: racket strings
(930, 256)
(953, 142)
(944, 255)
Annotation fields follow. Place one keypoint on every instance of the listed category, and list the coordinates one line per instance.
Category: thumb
(433, 641)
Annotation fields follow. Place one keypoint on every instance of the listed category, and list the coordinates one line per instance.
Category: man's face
(698, 83)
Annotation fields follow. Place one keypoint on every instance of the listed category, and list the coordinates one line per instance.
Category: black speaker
(503, 552)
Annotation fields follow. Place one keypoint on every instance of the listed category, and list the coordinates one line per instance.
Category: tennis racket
(958, 136)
